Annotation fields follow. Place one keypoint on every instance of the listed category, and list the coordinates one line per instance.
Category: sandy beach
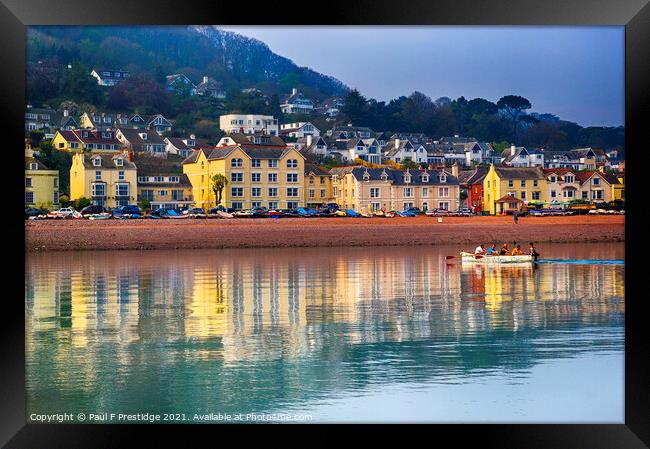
(48, 235)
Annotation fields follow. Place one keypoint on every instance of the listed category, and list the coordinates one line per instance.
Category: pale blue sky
(574, 72)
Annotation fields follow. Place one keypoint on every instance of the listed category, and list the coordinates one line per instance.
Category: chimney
(65, 112)
(397, 143)
(130, 156)
(205, 80)
(602, 168)
(454, 170)
(294, 91)
(309, 139)
(192, 136)
(513, 150)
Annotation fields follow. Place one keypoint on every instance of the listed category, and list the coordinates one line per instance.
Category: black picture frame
(15, 15)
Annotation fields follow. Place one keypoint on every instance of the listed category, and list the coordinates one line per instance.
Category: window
(443, 205)
(425, 192)
(29, 197)
(237, 205)
(237, 177)
(97, 162)
(174, 179)
(312, 193)
(584, 195)
(292, 163)
(322, 193)
(375, 206)
(536, 195)
(177, 195)
(408, 191)
(292, 177)
(488, 184)
(553, 194)
(596, 181)
(408, 205)
(256, 204)
(236, 192)
(236, 163)
(28, 182)
(407, 178)
(256, 191)
(273, 205)
(511, 183)
(523, 183)
(596, 194)
(374, 192)
(256, 163)
(273, 191)
(443, 192)
(569, 178)
(443, 178)
(322, 179)
(98, 189)
(568, 193)
(273, 163)
(535, 182)
(98, 175)
(311, 180)
(120, 175)
(121, 189)
(292, 191)
(273, 177)
(256, 177)
(56, 183)
(147, 195)
(552, 179)
(292, 205)
(335, 191)
(158, 179)
(55, 197)
(425, 178)
(523, 195)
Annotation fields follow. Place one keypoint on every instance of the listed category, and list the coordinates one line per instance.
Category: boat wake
(584, 261)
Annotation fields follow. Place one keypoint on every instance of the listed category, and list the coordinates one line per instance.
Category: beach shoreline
(79, 235)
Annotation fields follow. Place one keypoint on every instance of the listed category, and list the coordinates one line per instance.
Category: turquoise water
(325, 335)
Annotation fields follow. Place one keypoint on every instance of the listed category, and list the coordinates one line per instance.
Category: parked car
(64, 212)
(130, 211)
(159, 213)
(464, 212)
(437, 212)
(195, 212)
(260, 212)
(34, 212)
(93, 209)
(415, 210)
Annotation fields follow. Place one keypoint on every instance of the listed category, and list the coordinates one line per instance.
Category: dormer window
(106, 135)
(366, 176)
(568, 178)
(443, 177)
(425, 177)
(143, 136)
(407, 177)
(97, 162)
(384, 176)
(119, 162)
(84, 133)
(33, 166)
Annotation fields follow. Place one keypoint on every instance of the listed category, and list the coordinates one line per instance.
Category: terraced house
(258, 175)
(41, 183)
(78, 140)
(162, 183)
(108, 180)
(318, 186)
(508, 189)
(372, 189)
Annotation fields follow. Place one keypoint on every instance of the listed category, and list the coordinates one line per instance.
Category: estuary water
(390, 334)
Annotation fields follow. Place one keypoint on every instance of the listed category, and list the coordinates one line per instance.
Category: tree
(80, 203)
(139, 92)
(145, 204)
(354, 109)
(219, 182)
(56, 160)
(513, 106)
(407, 163)
(77, 84)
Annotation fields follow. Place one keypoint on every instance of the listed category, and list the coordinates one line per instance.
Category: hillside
(236, 61)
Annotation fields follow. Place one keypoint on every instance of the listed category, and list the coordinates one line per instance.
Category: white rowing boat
(479, 258)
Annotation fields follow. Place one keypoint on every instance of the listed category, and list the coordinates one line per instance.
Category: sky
(576, 73)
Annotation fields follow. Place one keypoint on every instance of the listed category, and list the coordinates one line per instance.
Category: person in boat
(504, 250)
(480, 249)
(517, 251)
(532, 251)
(492, 250)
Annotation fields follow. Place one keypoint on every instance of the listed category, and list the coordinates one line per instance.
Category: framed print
(379, 214)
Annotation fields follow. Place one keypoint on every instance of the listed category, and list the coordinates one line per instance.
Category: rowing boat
(479, 258)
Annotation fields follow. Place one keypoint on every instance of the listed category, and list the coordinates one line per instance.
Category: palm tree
(219, 182)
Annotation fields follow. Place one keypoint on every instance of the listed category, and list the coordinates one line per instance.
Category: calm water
(358, 335)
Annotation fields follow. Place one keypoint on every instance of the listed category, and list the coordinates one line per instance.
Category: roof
(558, 171)
(316, 169)
(108, 161)
(133, 137)
(183, 180)
(520, 172)
(39, 166)
(150, 165)
(249, 139)
(508, 156)
(293, 97)
(397, 177)
(475, 176)
(177, 142)
(253, 151)
(391, 150)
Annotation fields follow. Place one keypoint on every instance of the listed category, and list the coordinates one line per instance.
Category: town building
(180, 84)
(350, 132)
(318, 186)
(563, 186)
(595, 186)
(296, 103)
(79, 140)
(330, 107)
(312, 147)
(397, 150)
(109, 78)
(258, 176)
(299, 130)
(349, 150)
(209, 87)
(108, 180)
(521, 157)
(503, 185)
(162, 183)
(471, 182)
(138, 140)
(577, 159)
(41, 183)
(258, 138)
(48, 120)
(248, 124)
(183, 146)
(372, 189)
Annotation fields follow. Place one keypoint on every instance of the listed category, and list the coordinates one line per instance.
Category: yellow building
(617, 181)
(596, 187)
(161, 181)
(510, 188)
(108, 180)
(318, 186)
(372, 189)
(258, 176)
(83, 139)
(41, 183)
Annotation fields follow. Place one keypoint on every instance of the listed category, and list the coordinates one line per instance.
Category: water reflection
(260, 330)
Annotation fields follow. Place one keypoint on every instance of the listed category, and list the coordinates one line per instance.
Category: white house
(296, 103)
(109, 77)
(299, 130)
(398, 149)
(309, 145)
(248, 124)
(183, 146)
(521, 157)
